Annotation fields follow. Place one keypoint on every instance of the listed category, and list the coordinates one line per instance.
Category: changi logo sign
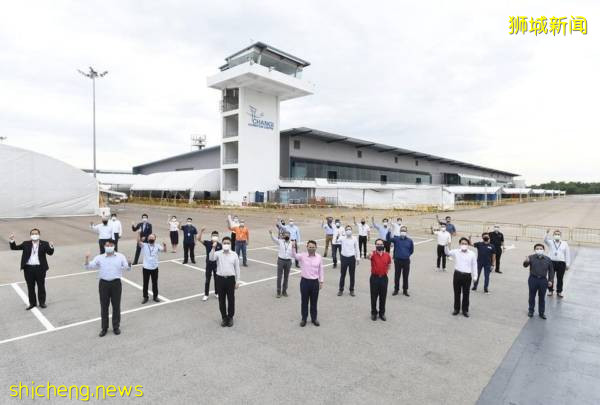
(257, 121)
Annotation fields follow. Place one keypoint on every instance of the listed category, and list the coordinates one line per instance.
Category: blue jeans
(487, 269)
(240, 246)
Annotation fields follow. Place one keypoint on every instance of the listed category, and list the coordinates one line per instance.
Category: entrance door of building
(383, 179)
(332, 175)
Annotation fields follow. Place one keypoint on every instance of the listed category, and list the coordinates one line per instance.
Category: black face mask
(151, 241)
(486, 239)
(379, 248)
(362, 222)
(286, 238)
(105, 222)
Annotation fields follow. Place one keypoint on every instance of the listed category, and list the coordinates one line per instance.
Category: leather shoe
(303, 323)
(278, 295)
(316, 323)
(117, 331)
(498, 271)
(530, 314)
(145, 300)
(43, 305)
(466, 314)
(340, 293)
(382, 317)
(542, 316)
(352, 293)
(455, 313)
(29, 307)
(285, 294)
(224, 322)
(395, 293)
(156, 299)
(405, 293)
(373, 317)
(102, 333)
(230, 323)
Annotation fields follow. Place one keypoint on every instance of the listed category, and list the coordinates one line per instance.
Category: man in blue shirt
(449, 225)
(150, 253)
(383, 231)
(403, 249)
(293, 231)
(211, 265)
(189, 241)
(486, 256)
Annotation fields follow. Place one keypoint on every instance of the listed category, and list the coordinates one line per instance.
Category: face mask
(109, 249)
(496, 229)
(286, 238)
(173, 219)
(214, 238)
(403, 234)
(385, 223)
(337, 224)
(226, 247)
(189, 222)
(443, 229)
(379, 248)
(235, 219)
(464, 247)
(399, 221)
(105, 222)
(348, 232)
(362, 222)
(486, 239)
(114, 218)
(242, 224)
(539, 252)
(556, 237)
(151, 241)
(144, 219)
(283, 223)
(35, 237)
(291, 222)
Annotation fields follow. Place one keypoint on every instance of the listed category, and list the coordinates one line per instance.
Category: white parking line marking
(34, 311)
(139, 287)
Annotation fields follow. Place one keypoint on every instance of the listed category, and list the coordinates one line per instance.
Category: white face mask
(443, 229)
(114, 218)
(539, 252)
(464, 247)
(556, 237)
(189, 222)
(144, 219)
(399, 221)
(109, 249)
(215, 238)
(402, 233)
(338, 225)
(35, 237)
(291, 222)
(348, 232)
(226, 247)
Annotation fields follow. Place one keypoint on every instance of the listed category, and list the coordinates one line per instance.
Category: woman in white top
(174, 233)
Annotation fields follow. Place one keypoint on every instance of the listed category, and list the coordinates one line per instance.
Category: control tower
(253, 82)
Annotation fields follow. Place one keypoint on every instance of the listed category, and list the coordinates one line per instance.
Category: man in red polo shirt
(380, 265)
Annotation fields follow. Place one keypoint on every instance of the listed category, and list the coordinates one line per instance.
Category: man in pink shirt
(311, 271)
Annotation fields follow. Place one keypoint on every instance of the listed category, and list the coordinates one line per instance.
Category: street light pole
(93, 74)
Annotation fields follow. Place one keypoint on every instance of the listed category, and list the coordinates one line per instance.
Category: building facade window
(359, 154)
(395, 159)
(296, 144)
(416, 163)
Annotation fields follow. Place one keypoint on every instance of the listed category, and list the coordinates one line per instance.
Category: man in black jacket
(34, 265)
(145, 229)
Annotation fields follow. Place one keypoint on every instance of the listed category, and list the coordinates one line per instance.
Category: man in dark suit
(145, 229)
(34, 265)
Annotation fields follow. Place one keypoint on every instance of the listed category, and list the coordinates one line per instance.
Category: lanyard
(34, 249)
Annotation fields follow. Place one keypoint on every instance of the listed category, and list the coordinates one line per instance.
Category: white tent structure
(192, 181)
(36, 185)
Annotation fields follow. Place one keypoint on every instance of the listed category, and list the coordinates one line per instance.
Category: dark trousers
(174, 236)
(188, 251)
(348, 265)
(334, 252)
(537, 286)
(147, 275)
(225, 287)
(110, 293)
(379, 286)
(441, 256)
(35, 275)
(309, 293)
(240, 247)
(387, 245)
(211, 270)
(283, 269)
(487, 269)
(116, 239)
(362, 245)
(233, 239)
(401, 266)
(498, 254)
(138, 250)
(559, 270)
(462, 284)
(101, 243)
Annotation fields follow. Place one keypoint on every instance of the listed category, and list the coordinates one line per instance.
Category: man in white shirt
(364, 233)
(336, 244)
(110, 266)
(443, 239)
(104, 231)
(396, 227)
(560, 254)
(284, 261)
(117, 230)
(227, 279)
(349, 258)
(465, 270)
(150, 253)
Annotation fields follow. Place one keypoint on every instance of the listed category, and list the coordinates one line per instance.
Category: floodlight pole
(93, 74)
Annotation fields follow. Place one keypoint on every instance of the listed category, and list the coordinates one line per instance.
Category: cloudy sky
(434, 76)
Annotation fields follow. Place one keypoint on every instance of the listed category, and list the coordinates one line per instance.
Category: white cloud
(439, 77)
